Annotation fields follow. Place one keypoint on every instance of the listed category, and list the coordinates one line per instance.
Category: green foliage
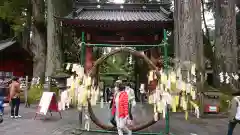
(71, 48)
(14, 12)
(117, 64)
(35, 93)
(114, 64)
(224, 102)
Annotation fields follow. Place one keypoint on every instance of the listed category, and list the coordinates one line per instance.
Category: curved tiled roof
(122, 15)
(6, 43)
(120, 12)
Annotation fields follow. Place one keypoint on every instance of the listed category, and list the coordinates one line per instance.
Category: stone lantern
(61, 80)
(47, 84)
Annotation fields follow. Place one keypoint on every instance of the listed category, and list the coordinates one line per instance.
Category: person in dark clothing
(113, 107)
(2, 97)
(109, 94)
(15, 97)
(1, 109)
(234, 113)
(2, 91)
(2, 94)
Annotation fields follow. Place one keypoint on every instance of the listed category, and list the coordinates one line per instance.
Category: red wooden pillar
(89, 56)
(89, 59)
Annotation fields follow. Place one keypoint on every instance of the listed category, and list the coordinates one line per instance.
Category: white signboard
(45, 102)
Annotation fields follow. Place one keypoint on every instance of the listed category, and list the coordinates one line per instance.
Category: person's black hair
(121, 87)
(15, 78)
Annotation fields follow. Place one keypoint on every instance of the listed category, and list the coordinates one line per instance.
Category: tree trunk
(55, 8)
(26, 43)
(226, 43)
(189, 40)
(177, 9)
(188, 35)
(54, 57)
(38, 38)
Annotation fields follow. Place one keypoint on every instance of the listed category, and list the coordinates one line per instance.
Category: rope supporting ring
(92, 73)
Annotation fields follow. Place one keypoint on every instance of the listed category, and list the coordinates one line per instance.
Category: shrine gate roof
(119, 13)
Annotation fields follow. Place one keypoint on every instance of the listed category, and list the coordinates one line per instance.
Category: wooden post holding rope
(27, 105)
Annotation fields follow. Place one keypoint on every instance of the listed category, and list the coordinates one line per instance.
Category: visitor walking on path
(3, 93)
(112, 103)
(15, 97)
(234, 113)
(122, 111)
(131, 99)
(1, 105)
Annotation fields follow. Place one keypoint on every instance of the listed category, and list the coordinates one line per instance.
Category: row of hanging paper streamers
(165, 94)
(81, 87)
(227, 77)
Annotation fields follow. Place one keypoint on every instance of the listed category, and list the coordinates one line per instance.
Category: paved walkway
(41, 126)
(56, 126)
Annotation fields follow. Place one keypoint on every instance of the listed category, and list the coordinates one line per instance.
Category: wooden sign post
(48, 103)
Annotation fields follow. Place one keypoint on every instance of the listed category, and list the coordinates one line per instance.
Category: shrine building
(119, 25)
